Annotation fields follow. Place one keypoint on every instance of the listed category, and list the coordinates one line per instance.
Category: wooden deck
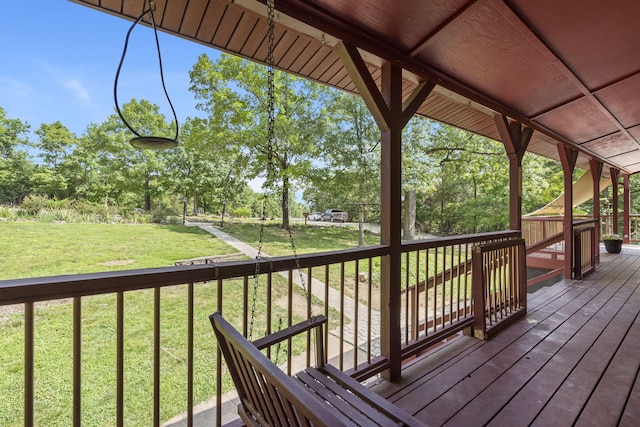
(573, 360)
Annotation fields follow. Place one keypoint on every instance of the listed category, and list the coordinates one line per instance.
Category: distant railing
(536, 229)
(606, 226)
(162, 312)
(499, 286)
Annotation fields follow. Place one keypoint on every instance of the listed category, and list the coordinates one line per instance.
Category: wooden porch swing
(320, 396)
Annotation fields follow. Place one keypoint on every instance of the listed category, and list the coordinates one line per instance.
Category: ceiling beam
(527, 30)
(317, 17)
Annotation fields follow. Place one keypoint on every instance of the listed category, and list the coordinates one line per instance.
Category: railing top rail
(557, 218)
(584, 222)
(57, 287)
(556, 238)
(492, 246)
(437, 242)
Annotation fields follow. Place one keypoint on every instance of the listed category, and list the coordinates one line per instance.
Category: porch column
(596, 174)
(626, 215)
(391, 115)
(515, 140)
(568, 157)
(614, 200)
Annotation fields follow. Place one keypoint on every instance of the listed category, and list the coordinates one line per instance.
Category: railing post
(577, 254)
(499, 283)
(478, 291)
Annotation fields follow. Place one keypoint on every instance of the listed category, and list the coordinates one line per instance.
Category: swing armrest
(315, 322)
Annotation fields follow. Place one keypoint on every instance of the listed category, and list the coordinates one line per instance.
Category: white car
(315, 216)
(335, 215)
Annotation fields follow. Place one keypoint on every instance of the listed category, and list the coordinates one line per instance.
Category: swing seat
(317, 396)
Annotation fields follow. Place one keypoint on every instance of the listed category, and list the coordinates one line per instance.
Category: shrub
(32, 205)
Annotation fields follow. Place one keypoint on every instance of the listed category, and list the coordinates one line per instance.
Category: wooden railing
(584, 248)
(606, 226)
(537, 229)
(499, 286)
(437, 288)
(163, 312)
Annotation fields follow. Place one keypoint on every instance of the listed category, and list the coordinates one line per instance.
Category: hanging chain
(270, 140)
(270, 171)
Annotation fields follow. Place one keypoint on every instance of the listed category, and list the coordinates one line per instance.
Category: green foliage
(233, 92)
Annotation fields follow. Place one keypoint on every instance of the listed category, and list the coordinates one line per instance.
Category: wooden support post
(614, 199)
(515, 139)
(568, 158)
(626, 214)
(391, 115)
(596, 175)
(391, 217)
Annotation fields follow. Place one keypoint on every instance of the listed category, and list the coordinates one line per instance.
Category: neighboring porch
(574, 358)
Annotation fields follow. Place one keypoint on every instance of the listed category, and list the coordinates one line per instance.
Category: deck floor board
(574, 359)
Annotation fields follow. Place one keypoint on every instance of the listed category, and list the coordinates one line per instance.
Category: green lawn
(32, 249)
(306, 238)
(35, 249)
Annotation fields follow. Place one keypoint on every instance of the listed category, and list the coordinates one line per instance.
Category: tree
(348, 175)
(128, 175)
(200, 172)
(461, 179)
(11, 134)
(16, 168)
(56, 143)
(233, 92)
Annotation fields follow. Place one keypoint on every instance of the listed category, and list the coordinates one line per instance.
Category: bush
(32, 205)
(8, 212)
(244, 212)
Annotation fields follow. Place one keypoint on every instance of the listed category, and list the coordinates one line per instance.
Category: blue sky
(59, 61)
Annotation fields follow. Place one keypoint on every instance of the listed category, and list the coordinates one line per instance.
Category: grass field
(35, 249)
(32, 249)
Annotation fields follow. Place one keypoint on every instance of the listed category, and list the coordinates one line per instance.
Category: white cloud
(78, 90)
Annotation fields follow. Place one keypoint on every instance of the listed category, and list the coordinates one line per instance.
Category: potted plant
(612, 243)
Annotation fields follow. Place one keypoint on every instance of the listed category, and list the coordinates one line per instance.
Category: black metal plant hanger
(149, 142)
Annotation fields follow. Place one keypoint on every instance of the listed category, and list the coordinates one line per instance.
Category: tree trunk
(147, 195)
(195, 203)
(410, 215)
(361, 225)
(285, 203)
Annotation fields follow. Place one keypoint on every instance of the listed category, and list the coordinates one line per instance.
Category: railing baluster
(309, 310)
(28, 364)
(120, 359)
(290, 319)
(435, 286)
(326, 305)
(426, 292)
(415, 311)
(219, 360)
(356, 311)
(190, 315)
(156, 357)
(406, 299)
(77, 361)
(369, 313)
(342, 299)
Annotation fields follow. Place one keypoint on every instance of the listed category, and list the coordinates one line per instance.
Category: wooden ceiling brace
(568, 157)
(368, 89)
(596, 167)
(515, 140)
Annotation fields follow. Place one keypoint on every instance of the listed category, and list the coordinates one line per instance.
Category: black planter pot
(613, 246)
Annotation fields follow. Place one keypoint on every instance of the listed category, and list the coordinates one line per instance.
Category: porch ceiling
(570, 69)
